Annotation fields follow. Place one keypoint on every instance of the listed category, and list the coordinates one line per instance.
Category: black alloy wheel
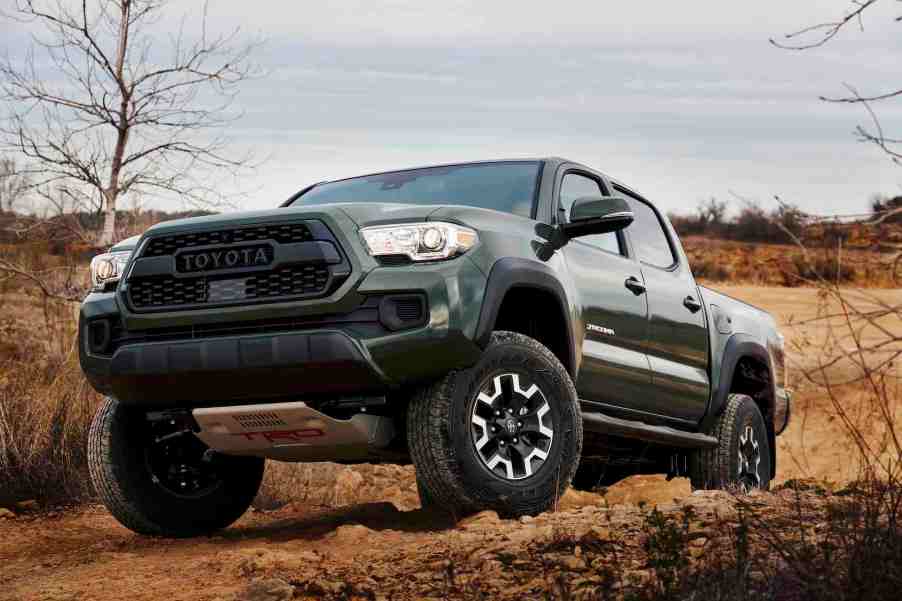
(512, 429)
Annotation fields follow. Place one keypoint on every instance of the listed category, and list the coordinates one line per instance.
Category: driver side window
(575, 185)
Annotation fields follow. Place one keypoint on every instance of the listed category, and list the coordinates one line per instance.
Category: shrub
(45, 413)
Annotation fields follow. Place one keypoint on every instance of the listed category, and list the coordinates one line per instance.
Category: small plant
(667, 546)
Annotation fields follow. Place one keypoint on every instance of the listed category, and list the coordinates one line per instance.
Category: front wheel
(159, 479)
(503, 435)
(741, 460)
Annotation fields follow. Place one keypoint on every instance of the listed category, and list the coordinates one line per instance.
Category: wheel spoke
(480, 423)
(508, 466)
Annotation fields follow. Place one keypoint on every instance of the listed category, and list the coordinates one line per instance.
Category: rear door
(677, 336)
(614, 318)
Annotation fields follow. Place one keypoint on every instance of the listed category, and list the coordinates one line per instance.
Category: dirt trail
(376, 538)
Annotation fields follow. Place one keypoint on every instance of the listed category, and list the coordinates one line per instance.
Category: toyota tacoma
(511, 328)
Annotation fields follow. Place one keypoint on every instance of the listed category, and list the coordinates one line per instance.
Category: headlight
(108, 267)
(419, 241)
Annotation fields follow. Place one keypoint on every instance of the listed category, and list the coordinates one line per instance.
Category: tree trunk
(109, 219)
(108, 233)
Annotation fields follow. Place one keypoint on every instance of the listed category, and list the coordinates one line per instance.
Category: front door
(614, 366)
(677, 336)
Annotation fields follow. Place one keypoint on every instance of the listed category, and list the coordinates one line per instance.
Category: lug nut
(509, 410)
(497, 414)
(516, 440)
(501, 443)
(519, 424)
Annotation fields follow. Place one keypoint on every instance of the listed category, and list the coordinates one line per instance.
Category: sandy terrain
(372, 536)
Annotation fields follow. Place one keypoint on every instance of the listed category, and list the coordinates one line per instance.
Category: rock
(351, 533)
(479, 520)
(600, 532)
(347, 487)
(270, 589)
(575, 564)
(576, 499)
(6, 513)
(261, 560)
(30, 505)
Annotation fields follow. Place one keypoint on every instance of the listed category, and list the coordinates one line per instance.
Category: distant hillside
(717, 260)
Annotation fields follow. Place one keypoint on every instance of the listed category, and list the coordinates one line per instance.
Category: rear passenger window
(574, 186)
(647, 234)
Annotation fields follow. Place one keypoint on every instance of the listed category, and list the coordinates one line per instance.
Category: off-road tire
(719, 467)
(450, 472)
(123, 481)
(426, 501)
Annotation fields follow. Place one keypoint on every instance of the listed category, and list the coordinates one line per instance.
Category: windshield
(509, 187)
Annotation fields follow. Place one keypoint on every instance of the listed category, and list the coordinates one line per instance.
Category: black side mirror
(597, 215)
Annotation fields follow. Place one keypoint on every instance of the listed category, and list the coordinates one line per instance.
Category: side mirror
(597, 215)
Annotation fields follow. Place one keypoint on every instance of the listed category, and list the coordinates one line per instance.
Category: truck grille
(284, 233)
(294, 281)
(296, 275)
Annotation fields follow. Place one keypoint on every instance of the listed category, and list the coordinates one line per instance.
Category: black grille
(284, 233)
(288, 281)
(409, 309)
(291, 281)
(162, 292)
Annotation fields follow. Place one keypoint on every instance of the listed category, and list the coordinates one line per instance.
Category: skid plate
(290, 432)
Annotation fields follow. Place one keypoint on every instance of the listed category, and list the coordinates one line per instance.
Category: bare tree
(103, 107)
(12, 185)
(819, 34)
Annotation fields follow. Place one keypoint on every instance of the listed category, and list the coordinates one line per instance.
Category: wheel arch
(514, 276)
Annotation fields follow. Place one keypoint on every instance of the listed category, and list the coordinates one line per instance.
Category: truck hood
(127, 244)
(362, 214)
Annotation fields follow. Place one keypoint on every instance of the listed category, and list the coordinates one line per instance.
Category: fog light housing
(403, 311)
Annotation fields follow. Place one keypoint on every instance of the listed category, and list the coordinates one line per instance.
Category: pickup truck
(509, 327)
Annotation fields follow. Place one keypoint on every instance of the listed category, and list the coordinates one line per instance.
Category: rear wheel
(742, 458)
(159, 479)
(503, 435)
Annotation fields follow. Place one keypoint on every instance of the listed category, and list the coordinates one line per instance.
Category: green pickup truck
(510, 327)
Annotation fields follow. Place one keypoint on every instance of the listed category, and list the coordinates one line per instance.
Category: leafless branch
(824, 32)
(34, 278)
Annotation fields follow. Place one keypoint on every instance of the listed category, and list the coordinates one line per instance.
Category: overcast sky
(681, 100)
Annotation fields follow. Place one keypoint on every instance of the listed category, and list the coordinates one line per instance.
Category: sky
(681, 100)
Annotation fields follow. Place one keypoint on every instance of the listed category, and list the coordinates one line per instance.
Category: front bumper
(782, 410)
(204, 358)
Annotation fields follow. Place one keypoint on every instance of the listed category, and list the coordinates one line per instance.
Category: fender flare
(513, 272)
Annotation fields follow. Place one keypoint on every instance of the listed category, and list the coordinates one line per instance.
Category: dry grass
(760, 264)
(44, 419)
(45, 404)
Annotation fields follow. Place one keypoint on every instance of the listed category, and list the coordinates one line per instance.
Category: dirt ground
(359, 530)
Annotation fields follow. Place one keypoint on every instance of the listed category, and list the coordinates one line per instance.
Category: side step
(663, 435)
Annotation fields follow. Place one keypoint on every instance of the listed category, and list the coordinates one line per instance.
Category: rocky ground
(334, 532)
(589, 548)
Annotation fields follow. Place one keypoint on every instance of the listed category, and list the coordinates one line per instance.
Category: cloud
(681, 100)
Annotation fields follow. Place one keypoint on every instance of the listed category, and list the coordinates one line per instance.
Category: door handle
(634, 285)
(692, 304)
